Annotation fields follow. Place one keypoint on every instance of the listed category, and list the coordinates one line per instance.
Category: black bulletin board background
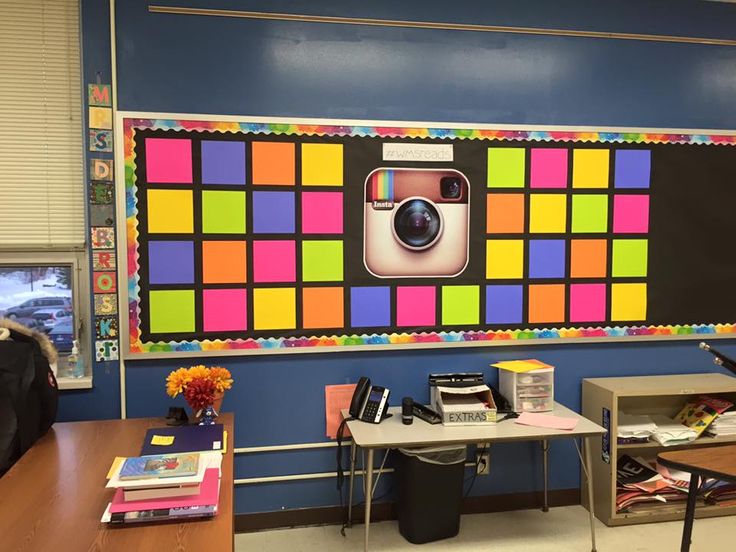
(691, 269)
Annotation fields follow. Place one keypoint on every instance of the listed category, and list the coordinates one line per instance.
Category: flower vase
(196, 415)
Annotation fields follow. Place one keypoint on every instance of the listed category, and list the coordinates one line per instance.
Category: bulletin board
(280, 235)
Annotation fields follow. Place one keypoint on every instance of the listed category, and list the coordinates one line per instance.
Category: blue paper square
(171, 262)
(223, 162)
(273, 213)
(633, 169)
(546, 258)
(370, 306)
(504, 304)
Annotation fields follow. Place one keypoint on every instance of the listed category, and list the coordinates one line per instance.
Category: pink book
(210, 490)
(546, 420)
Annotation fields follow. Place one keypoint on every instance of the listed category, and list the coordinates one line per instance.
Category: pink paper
(587, 302)
(631, 214)
(322, 212)
(274, 261)
(415, 306)
(225, 310)
(208, 495)
(546, 420)
(337, 398)
(169, 160)
(549, 168)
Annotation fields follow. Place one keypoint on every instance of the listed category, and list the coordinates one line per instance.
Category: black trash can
(430, 482)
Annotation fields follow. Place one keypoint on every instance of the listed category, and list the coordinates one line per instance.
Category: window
(41, 124)
(48, 292)
(44, 270)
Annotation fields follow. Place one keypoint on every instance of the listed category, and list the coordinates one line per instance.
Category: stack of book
(181, 482)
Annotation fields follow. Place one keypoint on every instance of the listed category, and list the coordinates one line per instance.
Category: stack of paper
(669, 432)
(725, 424)
(634, 429)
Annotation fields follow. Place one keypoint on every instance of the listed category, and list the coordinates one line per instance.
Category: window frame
(78, 259)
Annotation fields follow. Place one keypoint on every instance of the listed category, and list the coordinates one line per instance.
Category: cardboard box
(471, 405)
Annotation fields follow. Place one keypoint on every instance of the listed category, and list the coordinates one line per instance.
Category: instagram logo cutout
(416, 223)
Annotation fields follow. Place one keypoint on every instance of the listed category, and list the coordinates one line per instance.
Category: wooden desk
(392, 433)
(54, 496)
(704, 462)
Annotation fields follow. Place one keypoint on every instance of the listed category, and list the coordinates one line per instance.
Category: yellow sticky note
(628, 302)
(521, 366)
(163, 440)
(322, 165)
(504, 259)
(113, 468)
(274, 309)
(224, 442)
(170, 211)
(590, 168)
(547, 213)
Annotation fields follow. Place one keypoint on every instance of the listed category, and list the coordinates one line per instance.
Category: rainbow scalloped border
(136, 346)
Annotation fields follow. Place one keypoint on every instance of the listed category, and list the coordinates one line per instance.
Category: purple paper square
(504, 304)
(223, 162)
(171, 262)
(633, 168)
(546, 258)
(273, 212)
(370, 306)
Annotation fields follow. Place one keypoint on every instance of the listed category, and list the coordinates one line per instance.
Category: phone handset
(369, 402)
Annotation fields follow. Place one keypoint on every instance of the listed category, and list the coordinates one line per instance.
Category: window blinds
(41, 151)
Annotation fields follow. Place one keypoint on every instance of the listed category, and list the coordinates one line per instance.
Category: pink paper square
(322, 212)
(415, 306)
(587, 302)
(631, 214)
(549, 168)
(225, 310)
(274, 261)
(169, 160)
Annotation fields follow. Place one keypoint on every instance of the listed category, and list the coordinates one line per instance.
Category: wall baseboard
(382, 511)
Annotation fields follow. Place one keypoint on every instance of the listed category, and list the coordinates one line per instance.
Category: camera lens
(450, 187)
(417, 223)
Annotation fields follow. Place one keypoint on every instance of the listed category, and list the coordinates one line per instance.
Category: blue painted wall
(188, 64)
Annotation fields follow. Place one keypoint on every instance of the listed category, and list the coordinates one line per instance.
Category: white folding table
(392, 433)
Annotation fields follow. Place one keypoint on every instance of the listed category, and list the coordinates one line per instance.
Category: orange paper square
(273, 163)
(546, 303)
(588, 258)
(322, 307)
(505, 214)
(223, 262)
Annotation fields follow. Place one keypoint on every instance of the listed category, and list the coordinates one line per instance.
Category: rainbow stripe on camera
(383, 185)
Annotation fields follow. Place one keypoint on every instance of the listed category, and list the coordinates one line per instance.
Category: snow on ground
(13, 291)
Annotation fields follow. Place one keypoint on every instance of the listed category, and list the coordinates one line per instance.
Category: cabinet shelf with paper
(603, 401)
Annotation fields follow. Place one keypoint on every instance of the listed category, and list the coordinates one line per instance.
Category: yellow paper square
(170, 212)
(322, 165)
(274, 309)
(628, 302)
(162, 440)
(548, 213)
(504, 259)
(100, 117)
(590, 168)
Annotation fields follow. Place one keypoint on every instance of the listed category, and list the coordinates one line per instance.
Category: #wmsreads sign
(268, 236)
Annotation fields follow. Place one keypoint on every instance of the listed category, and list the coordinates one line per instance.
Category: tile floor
(560, 530)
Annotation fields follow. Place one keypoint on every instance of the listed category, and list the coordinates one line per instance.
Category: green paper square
(172, 311)
(629, 258)
(506, 167)
(322, 261)
(589, 213)
(223, 212)
(460, 305)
